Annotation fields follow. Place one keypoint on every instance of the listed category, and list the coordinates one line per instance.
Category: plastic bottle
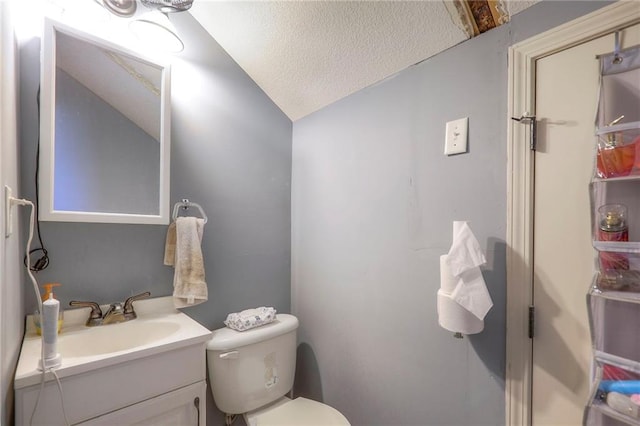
(615, 155)
(48, 291)
(50, 310)
(613, 227)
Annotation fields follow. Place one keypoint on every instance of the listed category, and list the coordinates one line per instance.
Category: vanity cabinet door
(99, 391)
(184, 406)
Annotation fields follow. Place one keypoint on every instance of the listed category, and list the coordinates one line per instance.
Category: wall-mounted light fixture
(168, 6)
(122, 8)
(152, 26)
(155, 28)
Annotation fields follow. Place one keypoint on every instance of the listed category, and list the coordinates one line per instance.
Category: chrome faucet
(95, 317)
(117, 312)
(114, 314)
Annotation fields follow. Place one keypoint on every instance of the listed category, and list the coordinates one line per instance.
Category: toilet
(251, 372)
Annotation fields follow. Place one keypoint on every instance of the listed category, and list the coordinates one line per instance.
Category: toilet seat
(297, 412)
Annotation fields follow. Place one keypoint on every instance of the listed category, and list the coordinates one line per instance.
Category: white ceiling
(308, 54)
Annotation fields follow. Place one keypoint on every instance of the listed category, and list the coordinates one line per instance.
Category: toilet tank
(249, 369)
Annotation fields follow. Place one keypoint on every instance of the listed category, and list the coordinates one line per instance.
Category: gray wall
(11, 249)
(231, 153)
(373, 200)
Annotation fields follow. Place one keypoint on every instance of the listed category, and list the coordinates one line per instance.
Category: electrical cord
(64, 412)
(37, 292)
(42, 262)
(23, 202)
(35, 407)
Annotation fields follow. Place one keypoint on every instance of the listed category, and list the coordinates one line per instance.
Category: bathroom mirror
(104, 131)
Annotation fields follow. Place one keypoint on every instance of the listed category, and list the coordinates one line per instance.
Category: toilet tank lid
(226, 338)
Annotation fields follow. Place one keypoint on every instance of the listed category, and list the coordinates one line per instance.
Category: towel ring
(184, 205)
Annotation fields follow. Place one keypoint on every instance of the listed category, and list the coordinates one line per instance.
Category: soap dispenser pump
(48, 293)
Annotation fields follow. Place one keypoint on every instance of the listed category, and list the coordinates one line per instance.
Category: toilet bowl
(250, 373)
(297, 412)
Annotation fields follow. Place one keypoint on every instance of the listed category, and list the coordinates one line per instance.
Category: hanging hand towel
(170, 245)
(189, 286)
(464, 259)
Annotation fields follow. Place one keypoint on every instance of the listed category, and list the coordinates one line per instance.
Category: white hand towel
(189, 286)
(464, 259)
(170, 245)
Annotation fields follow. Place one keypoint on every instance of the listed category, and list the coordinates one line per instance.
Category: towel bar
(184, 205)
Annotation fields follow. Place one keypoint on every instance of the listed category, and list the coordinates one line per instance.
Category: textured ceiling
(307, 54)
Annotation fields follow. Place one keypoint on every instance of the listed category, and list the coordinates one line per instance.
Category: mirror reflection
(108, 135)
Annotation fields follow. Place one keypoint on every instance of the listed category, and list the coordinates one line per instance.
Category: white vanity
(150, 370)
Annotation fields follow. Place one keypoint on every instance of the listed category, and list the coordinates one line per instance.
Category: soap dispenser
(48, 293)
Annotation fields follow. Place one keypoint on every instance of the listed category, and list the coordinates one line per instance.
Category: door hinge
(531, 121)
(532, 320)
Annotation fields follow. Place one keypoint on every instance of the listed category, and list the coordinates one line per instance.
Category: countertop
(176, 330)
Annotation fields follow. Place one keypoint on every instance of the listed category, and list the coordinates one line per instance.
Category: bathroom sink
(159, 328)
(146, 370)
(91, 341)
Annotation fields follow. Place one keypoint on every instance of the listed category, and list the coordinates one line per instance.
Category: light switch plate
(456, 136)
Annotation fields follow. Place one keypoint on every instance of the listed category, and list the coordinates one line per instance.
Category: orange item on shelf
(617, 161)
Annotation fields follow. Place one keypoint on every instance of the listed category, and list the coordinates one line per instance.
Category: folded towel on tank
(250, 318)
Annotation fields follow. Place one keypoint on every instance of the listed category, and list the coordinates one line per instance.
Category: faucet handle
(114, 314)
(96, 313)
(115, 308)
(128, 304)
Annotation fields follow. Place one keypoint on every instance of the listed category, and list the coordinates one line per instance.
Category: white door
(566, 98)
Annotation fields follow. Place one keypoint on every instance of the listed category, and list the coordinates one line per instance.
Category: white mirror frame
(46, 211)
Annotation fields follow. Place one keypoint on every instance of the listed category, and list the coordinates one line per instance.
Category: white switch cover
(456, 136)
